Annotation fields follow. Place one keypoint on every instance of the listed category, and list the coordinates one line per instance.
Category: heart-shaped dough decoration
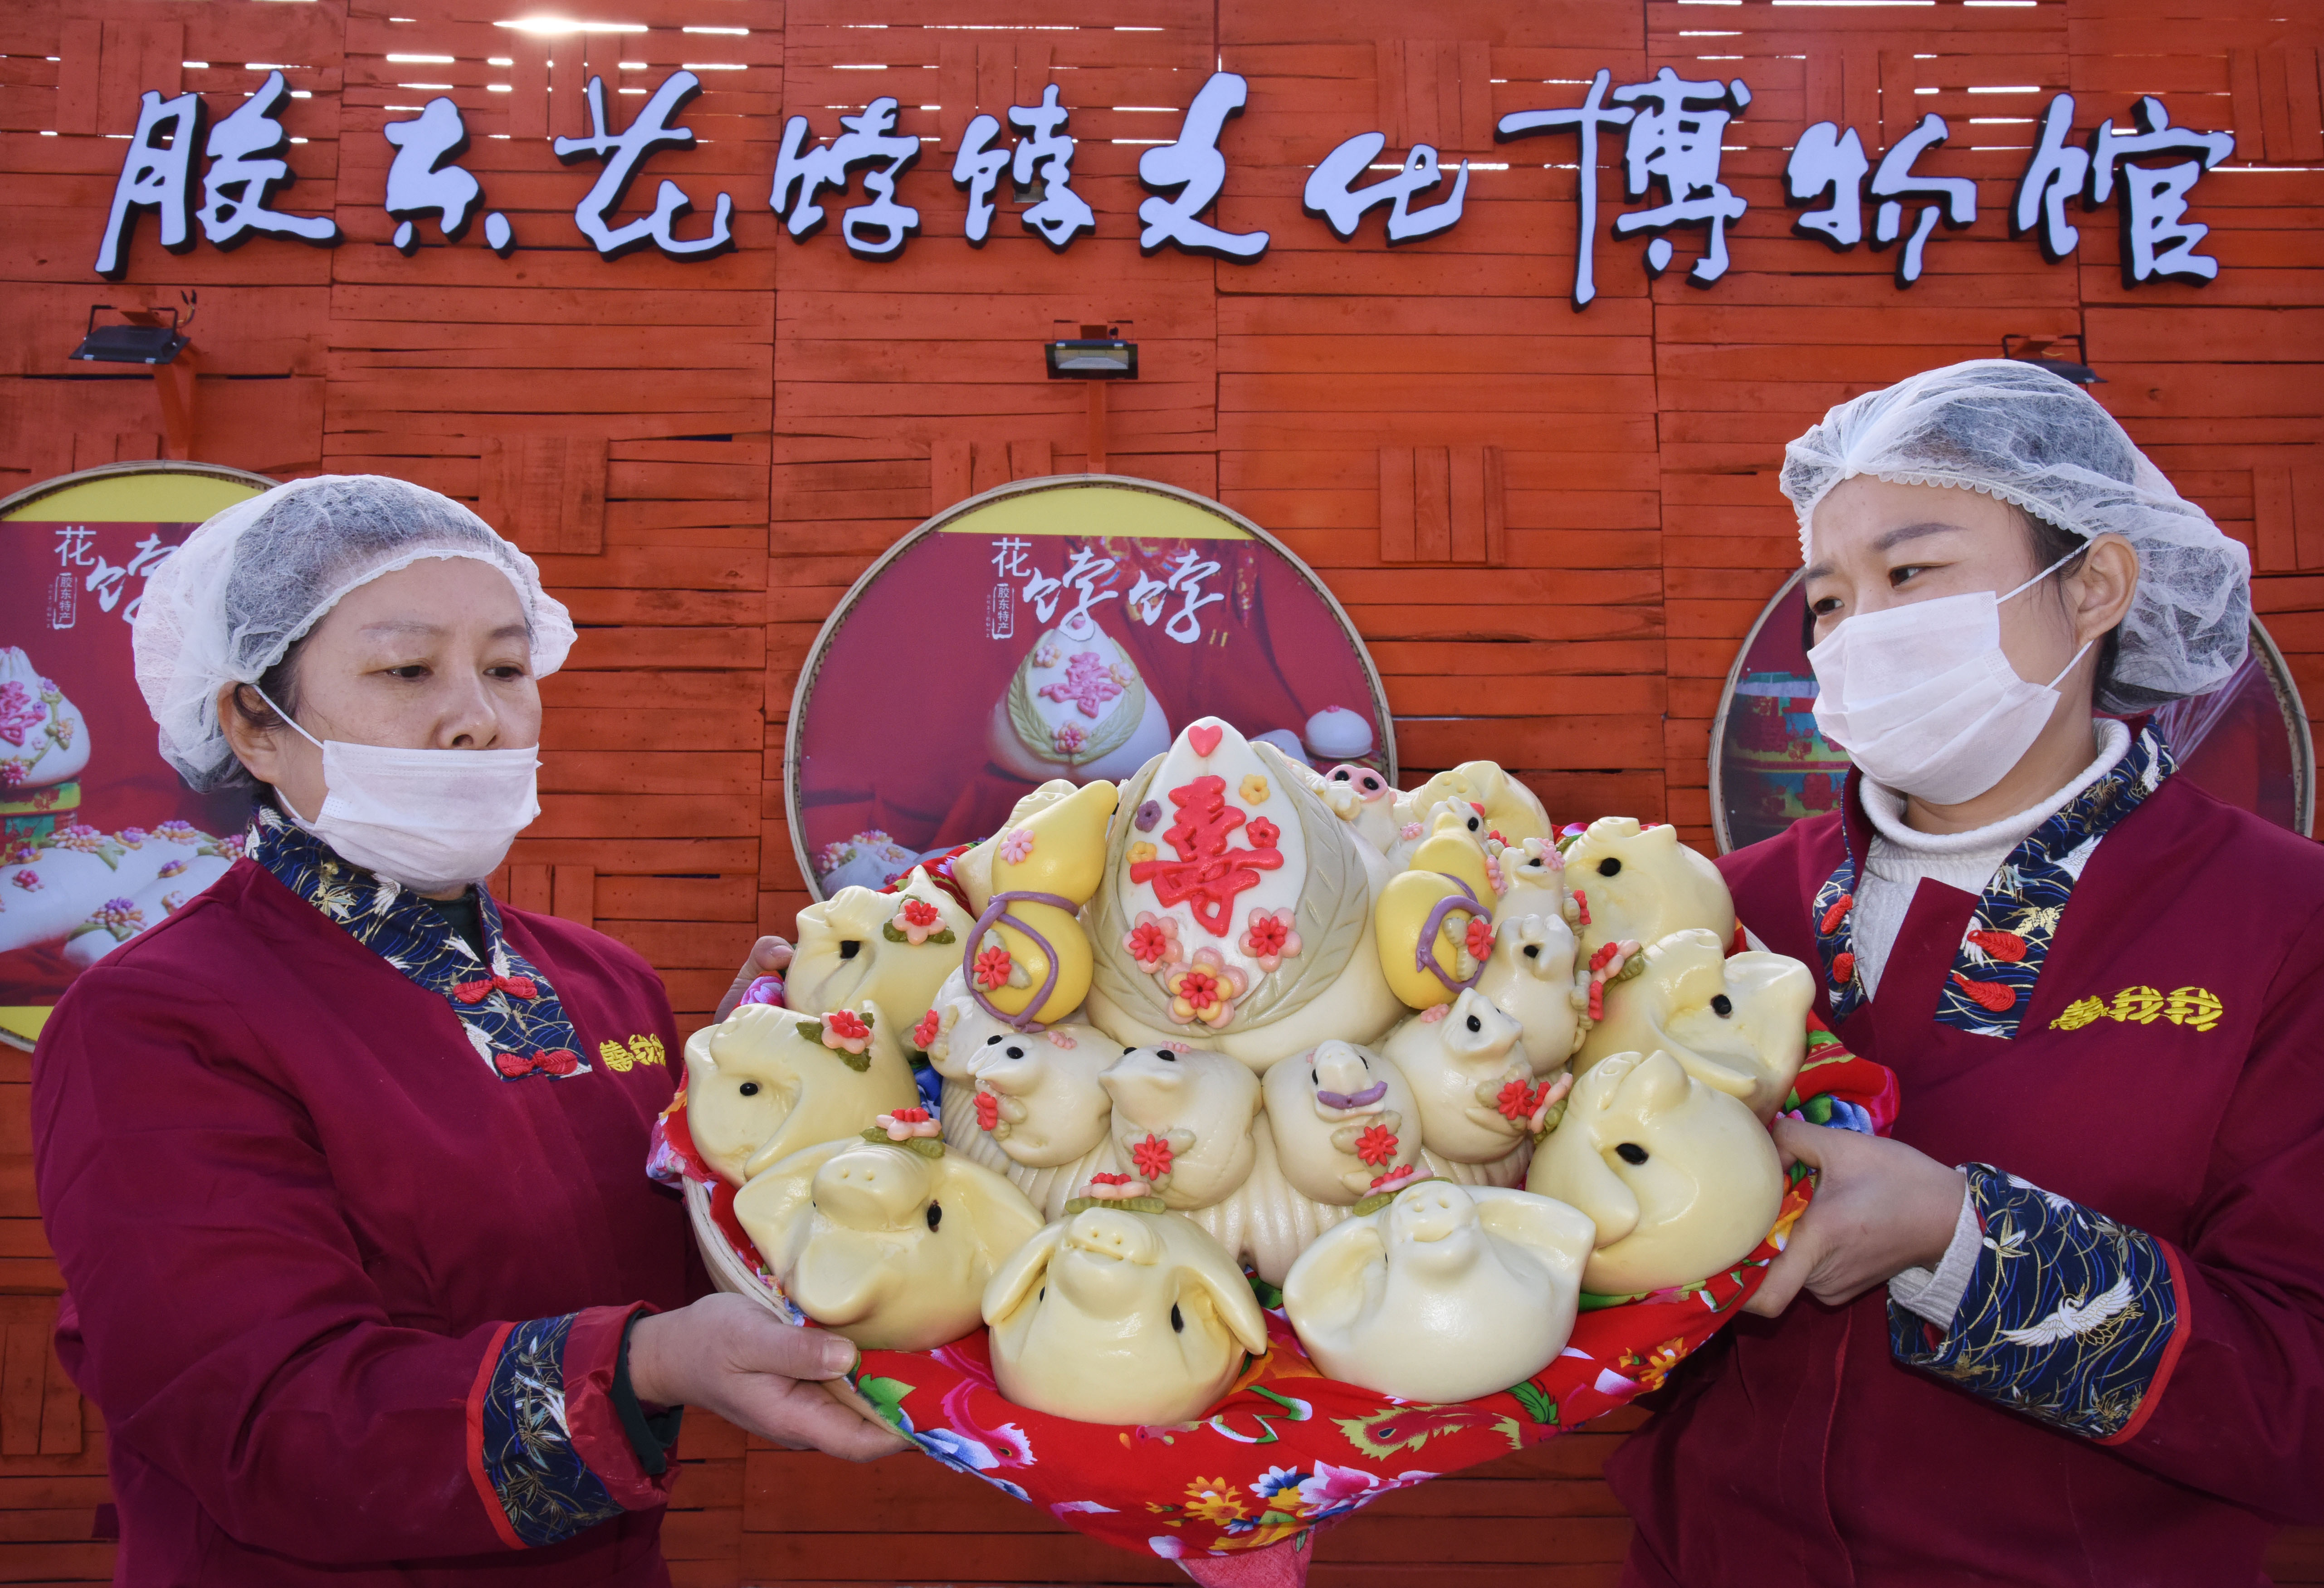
(891, 1247)
(1447, 1293)
(1236, 908)
(765, 1081)
(1682, 1181)
(1116, 1315)
(1736, 1022)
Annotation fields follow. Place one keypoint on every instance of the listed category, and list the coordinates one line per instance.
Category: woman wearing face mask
(2067, 1326)
(343, 1162)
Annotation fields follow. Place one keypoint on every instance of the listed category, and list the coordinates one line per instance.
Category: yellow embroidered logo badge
(2198, 1009)
(640, 1050)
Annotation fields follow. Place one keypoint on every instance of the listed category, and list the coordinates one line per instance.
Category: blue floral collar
(1990, 985)
(507, 1008)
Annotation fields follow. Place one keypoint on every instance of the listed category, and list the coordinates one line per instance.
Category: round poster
(2246, 743)
(99, 838)
(1057, 627)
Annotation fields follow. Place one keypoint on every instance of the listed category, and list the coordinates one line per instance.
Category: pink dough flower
(918, 921)
(1269, 938)
(906, 1123)
(844, 1030)
(1410, 831)
(1204, 991)
(1153, 942)
(29, 881)
(1017, 846)
(1068, 738)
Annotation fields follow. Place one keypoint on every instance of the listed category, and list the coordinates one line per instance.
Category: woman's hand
(729, 1356)
(768, 957)
(1880, 1207)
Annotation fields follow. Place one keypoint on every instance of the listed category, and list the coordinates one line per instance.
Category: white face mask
(1923, 698)
(429, 819)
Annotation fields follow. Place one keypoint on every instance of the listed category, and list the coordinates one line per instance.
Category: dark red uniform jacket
(348, 1296)
(2167, 1072)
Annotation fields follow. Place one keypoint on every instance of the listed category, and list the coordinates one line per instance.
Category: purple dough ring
(1424, 954)
(994, 914)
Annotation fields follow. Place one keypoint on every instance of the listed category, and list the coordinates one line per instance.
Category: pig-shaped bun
(888, 1245)
(1681, 1180)
(1447, 1293)
(1114, 1315)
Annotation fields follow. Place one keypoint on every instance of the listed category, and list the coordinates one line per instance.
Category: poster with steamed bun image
(1058, 628)
(99, 840)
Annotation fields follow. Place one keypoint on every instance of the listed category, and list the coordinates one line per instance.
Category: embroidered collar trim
(509, 1012)
(1990, 985)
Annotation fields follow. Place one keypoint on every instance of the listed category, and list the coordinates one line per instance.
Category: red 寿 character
(1207, 873)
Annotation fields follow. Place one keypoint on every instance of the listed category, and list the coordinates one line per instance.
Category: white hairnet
(2012, 429)
(227, 603)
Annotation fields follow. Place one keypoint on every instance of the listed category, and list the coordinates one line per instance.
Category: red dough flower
(1581, 903)
(1262, 832)
(1151, 1157)
(1479, 942)
(1517, 1101)
(925, 1031)
(1267, 934)
(1376, 1145)
(919, 912)
(1199, 988)
(988, 1110)
(992, 967)
(847, 1025)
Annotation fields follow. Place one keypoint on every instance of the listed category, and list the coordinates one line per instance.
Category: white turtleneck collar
(1901, 857)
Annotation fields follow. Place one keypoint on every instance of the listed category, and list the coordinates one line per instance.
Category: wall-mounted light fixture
(2038, 351)
(132, 342)
(1099, 354)
(144, 338)
(1105, 356)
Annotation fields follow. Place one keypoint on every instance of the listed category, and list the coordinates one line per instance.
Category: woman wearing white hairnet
(2067, 1326)
(343, 1163)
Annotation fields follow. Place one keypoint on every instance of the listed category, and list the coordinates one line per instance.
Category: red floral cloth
(1289, 1448)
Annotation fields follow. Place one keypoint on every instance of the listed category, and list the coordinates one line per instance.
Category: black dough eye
(1609, 866)
(989, 1041)
(1475, 822)
(1044, 1296)
(1339, 777)
(1532, 951)
(1166, 1055)
(1722, 1006)
(1475, 1024)
(1177, 1319)
(750, 1088)
(1016, 1053)
(1630, 1153)
(935, 1214)
(849, 947)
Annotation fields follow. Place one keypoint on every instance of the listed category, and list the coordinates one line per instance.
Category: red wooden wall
(1552, 528)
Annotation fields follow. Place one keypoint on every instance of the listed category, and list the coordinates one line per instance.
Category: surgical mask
(1923, 698)
(428, 819)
